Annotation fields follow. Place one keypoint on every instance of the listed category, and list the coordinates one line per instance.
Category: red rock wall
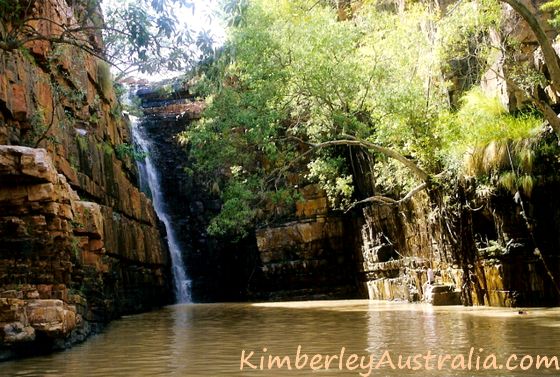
(73, 225)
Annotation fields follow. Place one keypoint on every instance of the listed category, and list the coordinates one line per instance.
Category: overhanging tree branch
(383, 200)
(350, 140)
(143, 34)
(549, 54)
(409, 164)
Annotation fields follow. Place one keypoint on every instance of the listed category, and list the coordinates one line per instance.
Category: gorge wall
(400, 243)
(79, 243)
(499, 249)
(376, 251)
(308, 257)
(219, 270)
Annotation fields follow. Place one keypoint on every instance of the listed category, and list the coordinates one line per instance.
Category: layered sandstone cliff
(483, 251)
(79, 243)
(501, 251)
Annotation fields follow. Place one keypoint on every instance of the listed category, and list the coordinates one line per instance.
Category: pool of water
(213, 339)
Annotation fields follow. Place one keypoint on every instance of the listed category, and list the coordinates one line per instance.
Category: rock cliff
(482, 250)
(400, 244)
(308, 256)
(501, 251)
(219, 269)
(79, 243)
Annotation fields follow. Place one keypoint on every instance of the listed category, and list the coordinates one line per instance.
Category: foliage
(13, 10)
(140, 35)
(38, 127)
(492, 252)
(483, 119)
(266, 88)
(292, 75)
(463, 42)
(554, 7)
(237, 212)
(125, 150)
(483, 140)
(327, 172)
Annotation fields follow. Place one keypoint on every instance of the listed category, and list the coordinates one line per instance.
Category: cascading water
(149, 179)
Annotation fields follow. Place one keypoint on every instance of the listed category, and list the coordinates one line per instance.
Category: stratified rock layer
(310, 257)
(67, 265)
(79, 243)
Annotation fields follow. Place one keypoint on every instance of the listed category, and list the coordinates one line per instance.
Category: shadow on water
(208, 339)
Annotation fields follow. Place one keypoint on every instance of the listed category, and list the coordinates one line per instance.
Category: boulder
(442, 294)
(51, 317)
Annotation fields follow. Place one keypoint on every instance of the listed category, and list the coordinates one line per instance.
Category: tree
(549, 54)
(282, 106)
(550, 58)
(140, 35)
(279, 108)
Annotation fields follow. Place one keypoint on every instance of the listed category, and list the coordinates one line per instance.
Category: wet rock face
(73, 225)
(397, 247)
(519, 275)
(219, 269)
(309, 257)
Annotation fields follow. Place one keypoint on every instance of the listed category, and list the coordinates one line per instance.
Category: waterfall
(149, 179)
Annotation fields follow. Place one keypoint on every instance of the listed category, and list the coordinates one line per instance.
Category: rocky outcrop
(79, 243)
(527, 54)
(491, 255)
(311, 257)
(398, 245)
(67, 266)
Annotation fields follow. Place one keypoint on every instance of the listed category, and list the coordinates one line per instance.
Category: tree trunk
(344, 8)
(550, 57)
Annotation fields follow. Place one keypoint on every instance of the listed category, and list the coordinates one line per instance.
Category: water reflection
(207, 340)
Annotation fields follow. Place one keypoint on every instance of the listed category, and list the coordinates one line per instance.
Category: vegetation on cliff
(137, 36)
(299, 88)
(132, 36)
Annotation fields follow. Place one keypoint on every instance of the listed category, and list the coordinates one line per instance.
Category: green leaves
(144, 35)
(483, 119)
(554, 6)
(237, 211)
(139, 35)
(327, 171)
(292, 75)
(12, 10)
(290, 72)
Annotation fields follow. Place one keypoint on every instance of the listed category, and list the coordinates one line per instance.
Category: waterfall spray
(149, 178)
